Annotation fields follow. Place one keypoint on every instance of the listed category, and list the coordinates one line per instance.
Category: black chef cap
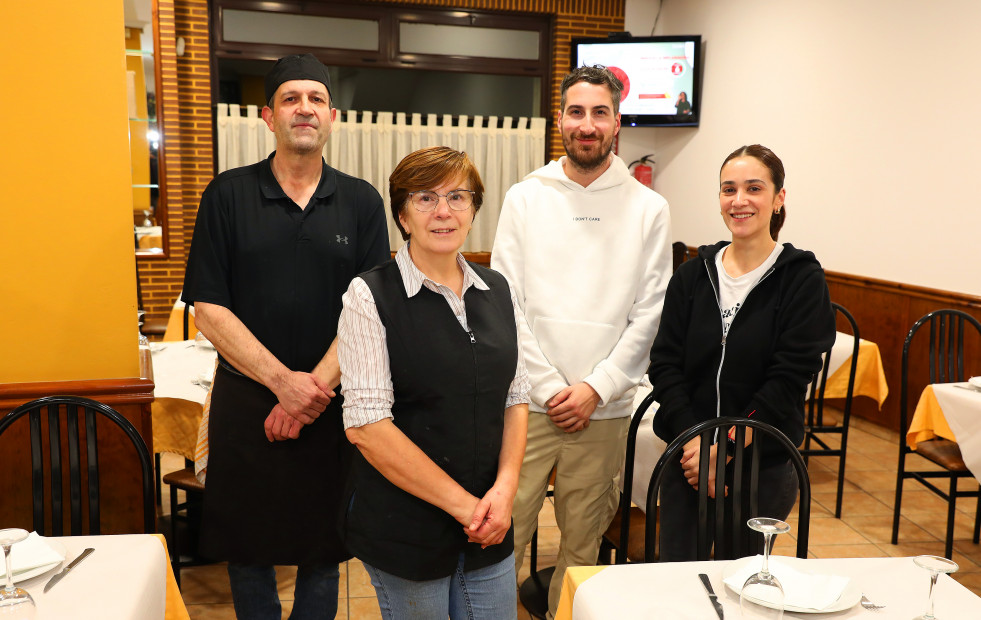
(296, 67)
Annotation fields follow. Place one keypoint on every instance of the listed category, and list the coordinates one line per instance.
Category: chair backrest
(76, 413)
(628, 478)
(731, 528)
(946, 354)
(679, 253)
(815, 394)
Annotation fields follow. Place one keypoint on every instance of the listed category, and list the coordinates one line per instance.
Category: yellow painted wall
(67, 271)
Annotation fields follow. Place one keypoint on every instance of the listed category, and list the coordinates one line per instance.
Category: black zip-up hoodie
(761, 369)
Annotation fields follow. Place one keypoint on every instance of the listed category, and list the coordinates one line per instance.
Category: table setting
(86, 577)
(768, 588)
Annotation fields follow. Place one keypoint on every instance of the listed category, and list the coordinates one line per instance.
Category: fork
(866, 603)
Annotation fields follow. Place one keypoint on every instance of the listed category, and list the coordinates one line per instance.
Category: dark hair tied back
(769, 159)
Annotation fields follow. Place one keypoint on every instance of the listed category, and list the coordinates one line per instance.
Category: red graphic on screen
(677, 69)
(622, 76)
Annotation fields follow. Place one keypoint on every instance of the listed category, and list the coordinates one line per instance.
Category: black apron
(271, 502)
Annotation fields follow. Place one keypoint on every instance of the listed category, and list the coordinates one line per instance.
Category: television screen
(660, 76)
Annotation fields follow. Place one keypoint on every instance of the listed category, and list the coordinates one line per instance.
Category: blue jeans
(481, 594)
(256, 597)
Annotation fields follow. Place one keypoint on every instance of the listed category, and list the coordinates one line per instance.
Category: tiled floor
(863, 531)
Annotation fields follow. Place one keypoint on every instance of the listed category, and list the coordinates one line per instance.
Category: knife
(712, 596)
(67, 569)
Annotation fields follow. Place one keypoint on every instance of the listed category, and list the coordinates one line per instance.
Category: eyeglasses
(427, 200)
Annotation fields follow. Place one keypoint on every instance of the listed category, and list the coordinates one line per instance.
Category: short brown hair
(598, 75)
(427, 169)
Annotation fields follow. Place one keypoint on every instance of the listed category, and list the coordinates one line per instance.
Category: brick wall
(185, 104)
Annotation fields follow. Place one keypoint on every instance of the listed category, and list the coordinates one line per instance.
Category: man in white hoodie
(587, 250)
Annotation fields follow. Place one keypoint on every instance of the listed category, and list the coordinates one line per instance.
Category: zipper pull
(472, 339)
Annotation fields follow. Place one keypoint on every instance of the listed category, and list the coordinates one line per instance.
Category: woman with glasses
(435, 399)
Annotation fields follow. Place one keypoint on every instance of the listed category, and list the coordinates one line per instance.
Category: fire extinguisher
(644, 172)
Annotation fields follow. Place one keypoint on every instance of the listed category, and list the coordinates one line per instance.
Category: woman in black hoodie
(741, 334)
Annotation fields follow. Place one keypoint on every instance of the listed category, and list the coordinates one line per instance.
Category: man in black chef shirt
(275, 246)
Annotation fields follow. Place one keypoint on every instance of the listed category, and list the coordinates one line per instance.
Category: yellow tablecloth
(175, 324)
(175, 610)
(574, 576)
(870, 378)
(928, 420)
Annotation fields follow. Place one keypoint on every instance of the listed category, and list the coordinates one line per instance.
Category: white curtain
(371, 148)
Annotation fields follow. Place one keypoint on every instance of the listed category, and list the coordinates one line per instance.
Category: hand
(571, 407)
(304, 396)
(279, 426)
(690, 465)
(491, 519)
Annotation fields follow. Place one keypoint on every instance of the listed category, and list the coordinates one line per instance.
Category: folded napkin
(32, 552)
(803, 590)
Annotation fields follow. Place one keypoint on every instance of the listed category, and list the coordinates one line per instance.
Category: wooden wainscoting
(121, 504)
(885, 311)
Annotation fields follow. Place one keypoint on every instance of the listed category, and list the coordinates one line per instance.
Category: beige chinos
(586, 494)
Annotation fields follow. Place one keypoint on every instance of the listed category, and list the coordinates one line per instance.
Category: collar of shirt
(413, 279)
(271, 189)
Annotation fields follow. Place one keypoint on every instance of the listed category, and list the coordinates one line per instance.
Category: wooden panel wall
(885, 311)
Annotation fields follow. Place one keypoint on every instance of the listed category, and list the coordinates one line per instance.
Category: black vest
(450, 390)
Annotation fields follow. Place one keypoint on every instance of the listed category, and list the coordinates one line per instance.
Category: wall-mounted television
(661, 76)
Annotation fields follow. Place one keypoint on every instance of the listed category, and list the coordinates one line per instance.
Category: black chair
(731, 528)
(628, 522)
(679, 253)
(191, 507)
(946, 361)
(79, 416)
(815, 429)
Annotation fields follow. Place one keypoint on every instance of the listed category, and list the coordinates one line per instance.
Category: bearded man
(587, 250)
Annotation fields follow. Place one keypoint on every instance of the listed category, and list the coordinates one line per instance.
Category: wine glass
(762, 595)
(935, 565)
(14, 602)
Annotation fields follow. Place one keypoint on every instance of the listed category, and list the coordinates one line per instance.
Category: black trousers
(679, 509)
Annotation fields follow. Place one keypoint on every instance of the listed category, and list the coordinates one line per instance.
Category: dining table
(674, 590)
(126, 577)
(951, 411)
(182, 375)
(870, 382)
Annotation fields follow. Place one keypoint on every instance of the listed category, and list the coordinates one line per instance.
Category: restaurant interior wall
(875, 123)
(187, 124)
(876, 130)
(66, 226)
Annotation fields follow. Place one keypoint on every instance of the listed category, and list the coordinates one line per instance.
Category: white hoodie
(589, 267)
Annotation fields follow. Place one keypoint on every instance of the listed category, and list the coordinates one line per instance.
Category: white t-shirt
(733, 291)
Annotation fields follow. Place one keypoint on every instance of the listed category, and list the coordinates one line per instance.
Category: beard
(587, 159)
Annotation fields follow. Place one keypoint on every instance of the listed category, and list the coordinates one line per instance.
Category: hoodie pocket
(574, 347)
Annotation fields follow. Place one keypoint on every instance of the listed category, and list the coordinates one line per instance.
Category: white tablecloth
(124, 579)
(962, 410)
(673, 590)
(176, 365)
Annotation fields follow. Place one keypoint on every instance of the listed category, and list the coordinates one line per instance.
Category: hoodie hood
(616, 174)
